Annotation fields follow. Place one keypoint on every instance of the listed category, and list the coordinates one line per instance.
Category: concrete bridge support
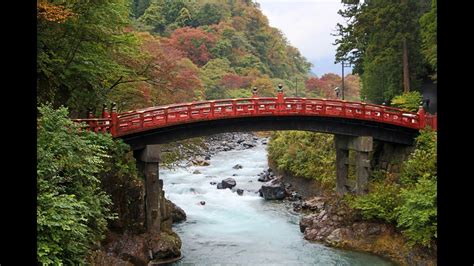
(148, 161)
(362, 146)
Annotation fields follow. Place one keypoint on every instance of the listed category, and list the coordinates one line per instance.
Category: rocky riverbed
(223, 191)
(330, 221)
(324, 216)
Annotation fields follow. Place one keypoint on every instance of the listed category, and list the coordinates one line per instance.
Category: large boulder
(177, 214)
(228, 183)
(273, 190)
(168, 246)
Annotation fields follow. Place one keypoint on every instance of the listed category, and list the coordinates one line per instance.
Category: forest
(142, 53)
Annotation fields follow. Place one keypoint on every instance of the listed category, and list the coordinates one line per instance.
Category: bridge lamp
(337, 90)
(254, 91)
(280, 87)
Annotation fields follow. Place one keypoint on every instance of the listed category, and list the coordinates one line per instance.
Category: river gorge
(223, 227)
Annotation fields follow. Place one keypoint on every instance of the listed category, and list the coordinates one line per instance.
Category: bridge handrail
(166, 115)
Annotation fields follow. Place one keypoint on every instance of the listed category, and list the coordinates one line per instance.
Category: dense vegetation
(143, 53)
(410, 201)
(305, 154)
(408, 101)
(391, 44)
(137, 53)
(72, 208)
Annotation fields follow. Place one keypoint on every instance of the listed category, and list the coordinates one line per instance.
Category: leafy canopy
(72, 210)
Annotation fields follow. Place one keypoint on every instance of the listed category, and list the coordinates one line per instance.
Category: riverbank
(327, 219)
(243, 229)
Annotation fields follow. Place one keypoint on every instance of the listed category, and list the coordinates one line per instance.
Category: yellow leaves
(53, 13)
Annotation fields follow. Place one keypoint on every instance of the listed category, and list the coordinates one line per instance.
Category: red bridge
(171, 122)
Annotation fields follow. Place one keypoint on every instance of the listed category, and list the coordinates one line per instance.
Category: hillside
(145, 53)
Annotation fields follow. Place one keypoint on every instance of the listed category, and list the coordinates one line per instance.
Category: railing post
(105, 112)
(303, 105)
(114, 119)
(92, 123)
(421, 117)
(212, 109)
(254, 92)
(234, 107)
(105, 115)
(280, 98)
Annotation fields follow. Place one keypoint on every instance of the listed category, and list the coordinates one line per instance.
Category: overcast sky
(308, 24)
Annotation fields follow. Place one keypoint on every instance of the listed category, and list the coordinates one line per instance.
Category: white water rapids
(242, 230)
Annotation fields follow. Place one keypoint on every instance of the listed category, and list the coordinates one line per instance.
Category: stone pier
(362, 146)
(148, 162)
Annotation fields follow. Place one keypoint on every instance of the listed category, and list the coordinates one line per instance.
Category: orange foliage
(173, 77)
(53, 13)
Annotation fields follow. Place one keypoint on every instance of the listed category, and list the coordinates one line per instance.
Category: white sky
(308, 24)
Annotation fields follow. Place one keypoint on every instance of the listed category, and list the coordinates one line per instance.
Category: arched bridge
(168, 123)
(354, 124)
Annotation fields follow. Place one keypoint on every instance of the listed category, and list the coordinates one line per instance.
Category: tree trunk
(406, 74)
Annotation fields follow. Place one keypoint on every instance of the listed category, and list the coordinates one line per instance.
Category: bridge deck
(132, 122)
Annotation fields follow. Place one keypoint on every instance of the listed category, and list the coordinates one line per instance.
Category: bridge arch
(331, 125)
(354, 124)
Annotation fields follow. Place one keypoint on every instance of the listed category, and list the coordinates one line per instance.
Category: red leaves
(172, 76)
(194, 43)
(234, 81)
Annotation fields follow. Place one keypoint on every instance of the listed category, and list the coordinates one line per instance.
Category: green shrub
(72, 210)
(422, 162)
(409, 101)
(417, 215)
(305, 154)
(380, 203)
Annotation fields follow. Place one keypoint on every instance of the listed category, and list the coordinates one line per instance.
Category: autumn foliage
(194, 43)
(52, 13)
(324, 86)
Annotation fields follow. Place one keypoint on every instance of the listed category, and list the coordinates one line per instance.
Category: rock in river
(273, 190)
(228, 183)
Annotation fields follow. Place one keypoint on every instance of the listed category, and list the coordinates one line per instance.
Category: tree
(234, 81)
(382, 41)
(409, 101)
(153, 17)
(72, 210)
(78, 57)
(209, 13)
(195, 43)
(264, 86)
(429, 25)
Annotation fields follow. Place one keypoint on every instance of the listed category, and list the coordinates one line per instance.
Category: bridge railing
(96, 124)
(161, 116)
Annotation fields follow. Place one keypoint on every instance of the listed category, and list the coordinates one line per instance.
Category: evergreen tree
(382, 40)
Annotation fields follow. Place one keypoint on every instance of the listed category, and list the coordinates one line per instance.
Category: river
(235, 230)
